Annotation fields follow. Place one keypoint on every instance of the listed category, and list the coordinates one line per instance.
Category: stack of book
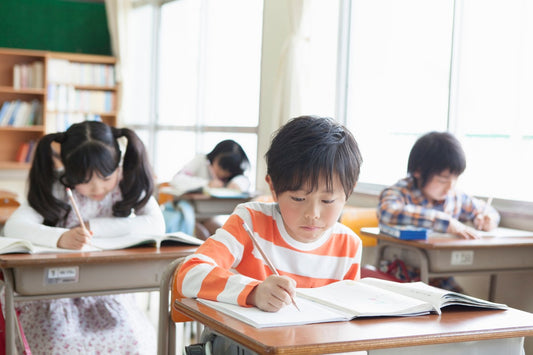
(404, 232)
(19, 113)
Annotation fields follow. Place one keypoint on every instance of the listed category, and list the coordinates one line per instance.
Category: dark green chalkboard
(55, 25)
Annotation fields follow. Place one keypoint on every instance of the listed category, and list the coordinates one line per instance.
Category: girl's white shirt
(196, 174)
(26, 223)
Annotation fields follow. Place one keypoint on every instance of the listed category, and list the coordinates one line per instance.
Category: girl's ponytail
(41, 180)
(137, 184)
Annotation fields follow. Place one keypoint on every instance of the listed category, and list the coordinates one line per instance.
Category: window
(464, 66)
(202, 83)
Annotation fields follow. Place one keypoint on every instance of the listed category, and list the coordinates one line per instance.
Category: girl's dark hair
(89, 148)
(310, 147)
(231, 157)
(434, 153)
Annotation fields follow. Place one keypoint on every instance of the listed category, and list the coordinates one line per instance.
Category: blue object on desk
(404, 232)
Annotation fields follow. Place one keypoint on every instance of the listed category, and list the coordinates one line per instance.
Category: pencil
(77, 211)
(487, 205)
(267, 260)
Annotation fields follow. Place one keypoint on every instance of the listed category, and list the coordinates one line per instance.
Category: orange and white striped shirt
(227, 267)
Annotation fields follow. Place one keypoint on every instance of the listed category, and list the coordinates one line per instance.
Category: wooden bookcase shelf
(90, 77)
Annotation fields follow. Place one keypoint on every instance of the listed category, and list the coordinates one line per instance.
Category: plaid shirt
(405, 204)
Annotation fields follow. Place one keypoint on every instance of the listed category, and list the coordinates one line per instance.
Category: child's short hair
(434, 153)
(310, 147)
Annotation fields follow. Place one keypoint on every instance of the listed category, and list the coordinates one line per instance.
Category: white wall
(14, 181)
(275, 30)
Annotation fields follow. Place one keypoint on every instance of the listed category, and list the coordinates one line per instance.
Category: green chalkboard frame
(55, 25)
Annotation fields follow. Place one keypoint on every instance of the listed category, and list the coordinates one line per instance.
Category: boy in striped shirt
(313, 164)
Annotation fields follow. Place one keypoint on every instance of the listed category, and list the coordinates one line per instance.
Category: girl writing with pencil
(113, 195)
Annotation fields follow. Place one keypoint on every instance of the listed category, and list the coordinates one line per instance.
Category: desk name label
(462, 257)
(60, 275)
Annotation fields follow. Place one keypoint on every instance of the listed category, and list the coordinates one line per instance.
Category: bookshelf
(63, 89)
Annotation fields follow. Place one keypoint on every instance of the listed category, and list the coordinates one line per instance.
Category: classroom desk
(60, 275)
(206, 206)
(445, 256)
(482, 329)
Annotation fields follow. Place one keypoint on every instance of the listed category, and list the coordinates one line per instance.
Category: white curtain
(292, 69)
(117, 19)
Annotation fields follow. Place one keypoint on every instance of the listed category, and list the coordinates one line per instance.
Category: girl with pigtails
(113, 192)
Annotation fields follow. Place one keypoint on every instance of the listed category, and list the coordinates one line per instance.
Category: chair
(163, 197)
(166, 341)
(356, 218)
(166, 335)
(8, 204)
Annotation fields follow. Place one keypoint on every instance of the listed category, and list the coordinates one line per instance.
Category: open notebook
(15, 245)
(347, 300)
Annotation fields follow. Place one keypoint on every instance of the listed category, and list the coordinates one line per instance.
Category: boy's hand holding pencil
(275, 291)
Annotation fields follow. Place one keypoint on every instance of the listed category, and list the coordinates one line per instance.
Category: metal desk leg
(10, 311)
(492, 286)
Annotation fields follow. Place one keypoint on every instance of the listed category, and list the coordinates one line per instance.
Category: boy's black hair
(434, 153)
(308, 148)
(86, 148)
(231, 157)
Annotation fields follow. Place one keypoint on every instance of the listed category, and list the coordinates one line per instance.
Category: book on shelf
(15, 245)
(348, 300)
(16, 106)
(20, 113)
(4, 112)
(9, 116)
(27, 76)
(22, 152)
(404, 232)
(25, 152)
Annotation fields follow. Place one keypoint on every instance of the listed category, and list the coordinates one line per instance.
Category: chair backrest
(358, 217)
(162, 197)
(8, 204)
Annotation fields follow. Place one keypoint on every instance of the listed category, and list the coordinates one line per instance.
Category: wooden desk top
(454, 325)
(456, 242)
(95, 257)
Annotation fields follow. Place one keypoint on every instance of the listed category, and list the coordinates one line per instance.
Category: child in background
(312, 167)
(114, 195)
(427, 197)
(224, 167)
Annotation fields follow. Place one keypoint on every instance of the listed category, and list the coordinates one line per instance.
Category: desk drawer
(88, 277)
(480, 259)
